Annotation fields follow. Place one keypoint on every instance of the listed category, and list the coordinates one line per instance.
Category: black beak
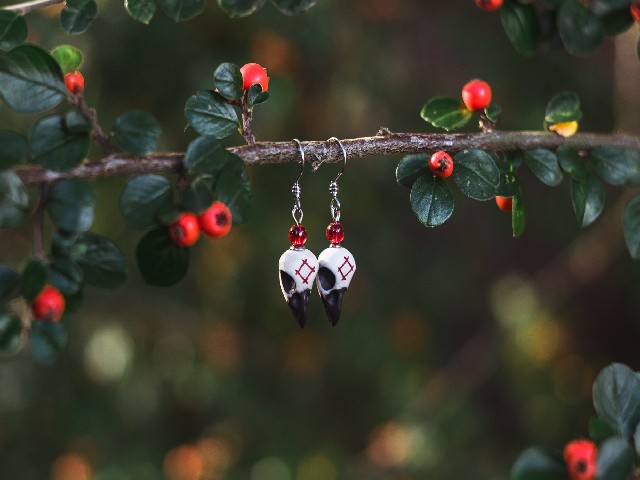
(299, 303)
(333, 304)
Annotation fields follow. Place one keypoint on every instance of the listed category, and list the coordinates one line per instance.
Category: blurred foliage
(457, 343)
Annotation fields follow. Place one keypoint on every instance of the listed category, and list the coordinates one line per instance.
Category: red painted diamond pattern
(309, 268)
(344, 265)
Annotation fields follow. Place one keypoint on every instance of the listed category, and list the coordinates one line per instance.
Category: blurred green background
(458, 346)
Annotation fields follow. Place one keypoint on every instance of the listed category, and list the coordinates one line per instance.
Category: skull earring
(298, 266)
(337, 265)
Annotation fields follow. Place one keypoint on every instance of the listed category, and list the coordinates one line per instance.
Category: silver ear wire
(296, 190)
(333, 186)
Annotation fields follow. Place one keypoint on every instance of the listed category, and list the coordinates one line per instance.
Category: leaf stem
(26, 7)
(38, 222)
(98, 134)
(247, 118)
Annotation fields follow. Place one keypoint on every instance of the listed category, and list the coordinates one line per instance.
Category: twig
(263, 153)
(247, 118)
(38, 222)
(98, 135)
(26, 7)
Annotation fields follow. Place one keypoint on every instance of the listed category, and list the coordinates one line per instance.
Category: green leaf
(14, 200)
(78, 15)
(141, 10)
(544, 164)
(181, 10)
(445, 112)
(631, 223)
(539, 463)
(492, 112)
(34, 277)
(76, 123)
(232, 187)
(520, 23)
(518, 217)
(580, 29)
(71, 205)
(570, 161)
(137, 132)
(205, 155)
(66, 276)
(30, 79)
(564, 107)
(46, 340)
(10, 333)
(161, 262)
(240, 8)
(210, 114)
(102, 262)
(197, 197)
(411, 167)
(636, 439)
(602, 7)
(616, 398)
(616, 166)
(13, 30)
(255, 95)
(615, 459)
(143, 198)
(476, 174)
(431, 200)
(599, 430)
(228, 80)
(616, 22)
(588, 199)
(13, 149)
(293, 7)
(509, 184)
(10, 287)
(68, 57)
(54, 147)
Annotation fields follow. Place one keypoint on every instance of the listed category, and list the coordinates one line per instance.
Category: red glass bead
(297, 235)
(335, 233)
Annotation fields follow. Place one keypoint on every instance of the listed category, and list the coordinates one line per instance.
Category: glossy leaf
(616, 166)
(13, 149)
(564, 107)
(232, 187)
(587, 197)
(616, 398)
(631, 224)
(66, 276)
(210, 114)
(599, 430)
(445, 112)
(518, 217)
(615, 459)
(197, 197)
(602, 7)
(143, 198)
(161, 262)
(520, 23)
(293, 7)
(30, 79)
(10, 333)
(544, 164)
(54, 147)
(33, 278)
(539, 463)
(141, 10)
(616, 22)
(13, 30)
(255, 95)
(411, 167)
(181, 10)
(492, 112)
(137, 132)
(476, 174)
(228, 80)
(14, 200)
(76, 123)
(570, 161)
(9, 284)
(71, 205)
(46, 340)
(68, 57)
(205, 155)
(509, 184)
(102, 262)
(78, 15)
(431, 200)
(580, 29)
(240, 8)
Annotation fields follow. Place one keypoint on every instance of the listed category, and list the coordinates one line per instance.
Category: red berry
(215, 221)
(253, 73)
(297, 235)
(74, 82)
(505, 203)
(335, 233)
(185, 231)
(48, 305)
(441, 164)
(580, 457)
(476, 95)
(635, 10)
(489, 5)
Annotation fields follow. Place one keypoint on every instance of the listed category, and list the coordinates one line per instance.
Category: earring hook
(297, 206)
(344, 154)
(301, 150)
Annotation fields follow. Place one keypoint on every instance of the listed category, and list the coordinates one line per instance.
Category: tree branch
(26, 7)
(325, 151)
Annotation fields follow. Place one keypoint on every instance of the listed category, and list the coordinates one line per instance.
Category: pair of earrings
(299, 267)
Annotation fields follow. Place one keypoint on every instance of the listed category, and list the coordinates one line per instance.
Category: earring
(298, 266)
(337, 265)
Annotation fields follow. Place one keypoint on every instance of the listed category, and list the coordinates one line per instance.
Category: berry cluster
(215, 222)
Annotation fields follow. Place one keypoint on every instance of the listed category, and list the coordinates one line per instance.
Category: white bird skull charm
(337, 267)
(298, 268)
